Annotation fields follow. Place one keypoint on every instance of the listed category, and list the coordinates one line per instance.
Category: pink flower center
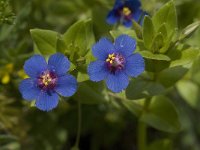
(47, 80)
(115, 62)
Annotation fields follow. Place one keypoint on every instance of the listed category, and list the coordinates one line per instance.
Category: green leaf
(80, 36)
(167, 42)
(60, 45)
(158, 43)
(148, 32)
(36, 50)
(194, 40)
(163, 144)
(189, 92)
(162, 115)
(8, 138)
(75, 148)
(189, 30)
(122, 30)
(92, 92)
(140, 45)
(167, 15)
(101, 28)
(82, 77)
(170, 76)
(138, 29)
(196, 66)
(195, 71)
(163, 30)
(156, 66)
(183, 57)
(45, 40)
(132, 106)
(141, 88)
(150, 55)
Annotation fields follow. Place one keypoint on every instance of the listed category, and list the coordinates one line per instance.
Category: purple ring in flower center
(125, 12)
(47, 80)
(115, 62)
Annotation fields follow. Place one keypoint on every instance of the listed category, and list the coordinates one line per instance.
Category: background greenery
(108, 120)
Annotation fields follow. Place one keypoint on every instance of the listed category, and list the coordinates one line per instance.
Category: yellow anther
(46, 79)
(107, 60)
(126, 11)
(113, 58)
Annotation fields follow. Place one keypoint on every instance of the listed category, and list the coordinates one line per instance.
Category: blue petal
(134, 65)
(118, 4)
(117, 82)
(102, 48)
(47, 101)
(127, 23)
(66, 85)
(29, 90)
(97, 70)
(125, 45)
(137, 15)
(35, 66)
(59, 63)
(133, 4)
(112, 18)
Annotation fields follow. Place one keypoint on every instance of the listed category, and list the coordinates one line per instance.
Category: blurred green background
(106, 125)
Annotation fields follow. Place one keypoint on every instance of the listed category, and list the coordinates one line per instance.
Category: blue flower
(124, 11)
(115, 62)
(47, 81)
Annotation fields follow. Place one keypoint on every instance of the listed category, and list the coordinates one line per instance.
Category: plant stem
(142, 128)
(141, 135)
(79, 125)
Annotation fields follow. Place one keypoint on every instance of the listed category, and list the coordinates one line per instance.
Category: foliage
(165, 97)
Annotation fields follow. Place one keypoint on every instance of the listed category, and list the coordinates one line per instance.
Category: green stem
(79, 125)
(142, 128)
(142, 135)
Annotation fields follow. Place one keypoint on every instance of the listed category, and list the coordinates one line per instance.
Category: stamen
(115, 62)
(107, 60)
(47, 80)
(111, 58)
(126, 11)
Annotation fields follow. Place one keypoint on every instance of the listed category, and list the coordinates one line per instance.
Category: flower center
(126, 11)
(47, 80)
(115, 62)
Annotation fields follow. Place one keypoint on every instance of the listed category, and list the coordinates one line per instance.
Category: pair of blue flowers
(114, 64)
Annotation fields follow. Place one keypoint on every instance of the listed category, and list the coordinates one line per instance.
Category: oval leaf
(162, 115)
(150, 55)
(166, 14)
(148, 32)
(45, 40)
